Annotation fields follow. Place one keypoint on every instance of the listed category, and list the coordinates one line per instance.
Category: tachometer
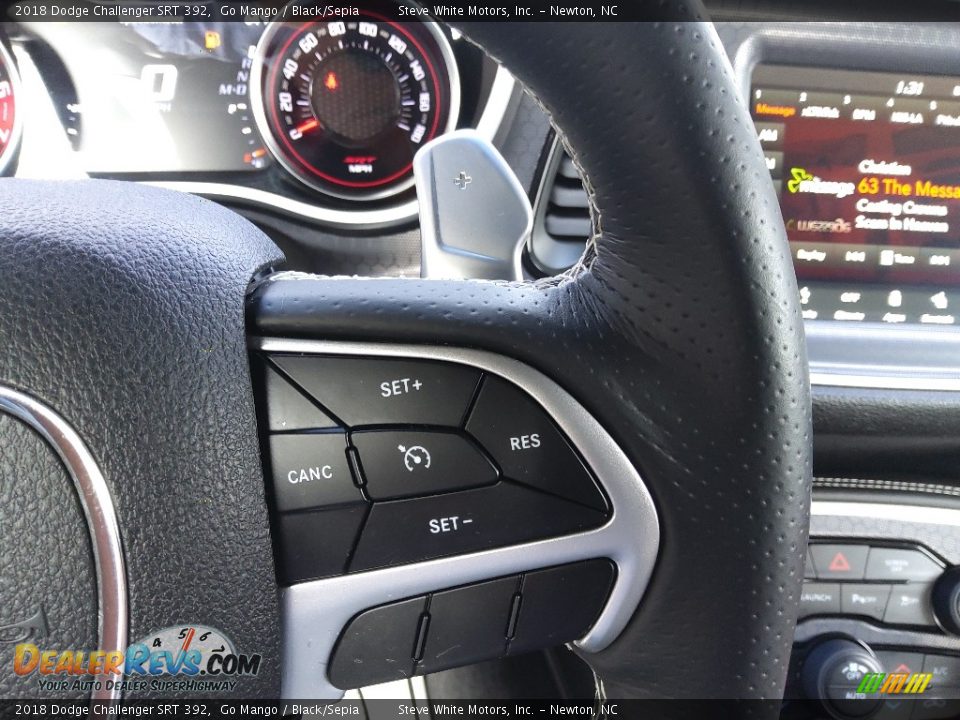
(9, 120)
(346, 104)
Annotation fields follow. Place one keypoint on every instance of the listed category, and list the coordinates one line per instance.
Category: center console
(860, 128)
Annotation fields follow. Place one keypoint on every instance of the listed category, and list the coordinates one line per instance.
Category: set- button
(403, 531)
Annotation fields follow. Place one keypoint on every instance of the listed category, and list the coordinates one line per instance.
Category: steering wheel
(127, 315)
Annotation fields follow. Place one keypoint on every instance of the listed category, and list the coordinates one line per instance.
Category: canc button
(526, 444)
(311, 470)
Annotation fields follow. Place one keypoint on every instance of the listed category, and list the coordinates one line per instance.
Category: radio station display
(867, 169)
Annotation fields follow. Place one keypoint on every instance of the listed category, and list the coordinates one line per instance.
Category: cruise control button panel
(375, 462)
(472, 623)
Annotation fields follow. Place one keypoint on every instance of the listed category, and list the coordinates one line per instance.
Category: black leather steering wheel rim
(681, 333)
(124, 310)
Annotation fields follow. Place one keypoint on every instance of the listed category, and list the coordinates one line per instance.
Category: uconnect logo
(802, 181)
(894, 683)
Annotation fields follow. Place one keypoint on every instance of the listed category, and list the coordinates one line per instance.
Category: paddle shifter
(474, 215)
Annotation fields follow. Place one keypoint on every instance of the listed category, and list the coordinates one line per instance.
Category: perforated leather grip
(681, 334)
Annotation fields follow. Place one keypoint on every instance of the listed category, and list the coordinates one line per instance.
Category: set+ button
(374, 391)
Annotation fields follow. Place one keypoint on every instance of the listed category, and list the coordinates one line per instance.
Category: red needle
(188, 640)
(308, 125)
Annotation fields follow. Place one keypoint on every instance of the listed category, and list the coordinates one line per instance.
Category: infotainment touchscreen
(867, 168)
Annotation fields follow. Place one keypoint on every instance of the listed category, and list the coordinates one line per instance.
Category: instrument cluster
(9, 118)
(314, 117)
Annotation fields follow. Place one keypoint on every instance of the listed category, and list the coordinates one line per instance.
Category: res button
(527, 446)
(373, 391)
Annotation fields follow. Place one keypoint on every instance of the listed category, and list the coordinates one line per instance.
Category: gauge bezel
(322, 186)
(10, 152)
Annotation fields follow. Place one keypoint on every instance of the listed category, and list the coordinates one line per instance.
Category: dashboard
(315, 121)
(310, 129)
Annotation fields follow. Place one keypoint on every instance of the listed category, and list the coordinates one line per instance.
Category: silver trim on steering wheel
(314, 613)
(97, 503)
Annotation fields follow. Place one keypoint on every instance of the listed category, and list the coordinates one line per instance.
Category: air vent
(562, 217)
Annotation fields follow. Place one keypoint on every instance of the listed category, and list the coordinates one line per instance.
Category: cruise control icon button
(415, 457)
(407, 463)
